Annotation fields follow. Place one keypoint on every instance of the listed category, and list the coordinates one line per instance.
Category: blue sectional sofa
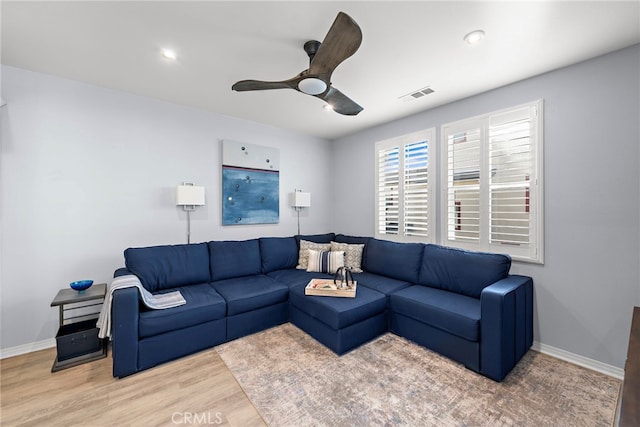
(464, 305)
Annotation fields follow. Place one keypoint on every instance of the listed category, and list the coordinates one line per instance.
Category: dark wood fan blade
(244, 85)
(342, 41)
(340, 102)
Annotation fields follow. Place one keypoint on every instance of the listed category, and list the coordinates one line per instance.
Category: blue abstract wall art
(250, 184)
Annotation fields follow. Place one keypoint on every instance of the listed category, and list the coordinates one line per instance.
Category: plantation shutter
(463, 178)
(511, 157)
(404, 188)
(388, 190)
(416, 189)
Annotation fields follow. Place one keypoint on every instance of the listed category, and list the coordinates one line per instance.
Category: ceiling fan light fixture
(474, 36)
(312, 86)
(168, 54)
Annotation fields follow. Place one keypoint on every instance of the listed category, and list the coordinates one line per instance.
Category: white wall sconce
(189, 196)
(299, 200)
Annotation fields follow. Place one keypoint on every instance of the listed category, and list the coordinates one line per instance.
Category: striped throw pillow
(305, 246)
(325, 261)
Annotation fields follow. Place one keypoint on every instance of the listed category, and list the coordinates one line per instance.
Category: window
(492, 183)
(405, 195)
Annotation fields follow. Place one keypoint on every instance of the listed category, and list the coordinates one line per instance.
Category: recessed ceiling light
(474, 36)
(328, 107)
(168, 54)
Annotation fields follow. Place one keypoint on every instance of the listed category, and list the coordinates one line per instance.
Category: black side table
(77, 339)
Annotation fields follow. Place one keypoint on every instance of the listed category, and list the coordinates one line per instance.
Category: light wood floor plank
(195, 390)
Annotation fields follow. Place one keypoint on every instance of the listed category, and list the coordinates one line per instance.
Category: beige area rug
(293, 380)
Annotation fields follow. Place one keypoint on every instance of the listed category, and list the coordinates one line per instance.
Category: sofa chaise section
(341, 324)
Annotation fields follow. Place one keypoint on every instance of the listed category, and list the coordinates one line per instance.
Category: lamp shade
(300, 199)
(189, 195)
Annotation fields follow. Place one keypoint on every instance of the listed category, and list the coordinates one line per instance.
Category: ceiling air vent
(417, 94)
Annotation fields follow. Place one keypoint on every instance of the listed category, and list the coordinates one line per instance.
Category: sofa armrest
(122, 271)
(125, 311)
(506, 325)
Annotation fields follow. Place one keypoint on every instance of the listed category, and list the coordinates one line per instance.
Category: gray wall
(585, 291)
(87, 172)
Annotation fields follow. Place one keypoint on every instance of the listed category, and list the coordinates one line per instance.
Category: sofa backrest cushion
(352, 240)
(230, 259)
(166, 267)
(316, 238)
(460, 271)
(278, 253)
(396, 260)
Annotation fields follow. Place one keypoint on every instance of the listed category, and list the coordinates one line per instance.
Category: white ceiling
(406, 46)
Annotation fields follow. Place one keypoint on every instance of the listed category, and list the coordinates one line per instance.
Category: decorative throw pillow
(352, 255)
(325, 261)
(303, 255)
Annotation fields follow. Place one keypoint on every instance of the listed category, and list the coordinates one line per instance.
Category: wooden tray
(326, 288)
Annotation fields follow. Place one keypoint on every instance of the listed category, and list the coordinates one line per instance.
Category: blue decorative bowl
(81, 285)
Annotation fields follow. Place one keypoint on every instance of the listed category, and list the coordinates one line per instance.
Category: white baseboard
(27, 348)
(576, 359)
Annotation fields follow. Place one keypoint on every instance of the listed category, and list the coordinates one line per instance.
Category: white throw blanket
(156, 302)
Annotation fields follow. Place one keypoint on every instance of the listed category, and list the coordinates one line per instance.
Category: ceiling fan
(342, 41)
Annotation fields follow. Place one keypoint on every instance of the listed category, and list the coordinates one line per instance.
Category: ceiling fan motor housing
(311, 47)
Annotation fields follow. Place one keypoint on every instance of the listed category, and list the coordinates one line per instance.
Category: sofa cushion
(249, 293)
(460, 271)
(204, 304)
(166, 267)
(278, 253)
(382, 284)
(396, 260)
(316, 238)
(352, 255)
(234, 259)
(352, 240)
(338, 313)
(325, 261)
(447, 311)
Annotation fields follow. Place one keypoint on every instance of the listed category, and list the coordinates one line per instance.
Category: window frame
(401, 142)
(534, 197)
